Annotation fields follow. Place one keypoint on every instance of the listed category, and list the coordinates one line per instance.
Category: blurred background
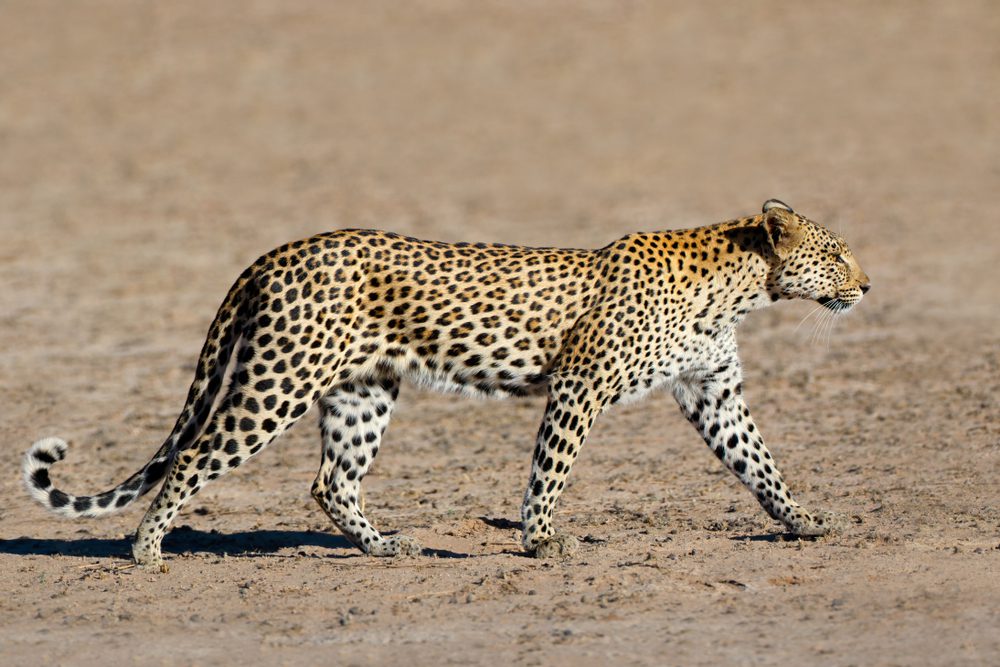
(152, 150)
(550, 122)
(149, 151)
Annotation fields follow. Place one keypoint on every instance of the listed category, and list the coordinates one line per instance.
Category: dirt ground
(150, 151)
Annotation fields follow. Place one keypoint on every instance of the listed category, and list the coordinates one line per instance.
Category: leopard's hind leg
(267, 395)
(353, 418)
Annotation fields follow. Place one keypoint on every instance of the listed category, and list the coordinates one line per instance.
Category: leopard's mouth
(835, 304)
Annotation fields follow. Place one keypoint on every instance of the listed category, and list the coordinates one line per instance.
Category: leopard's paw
(396, 545)
(149, 561)
(816, 524)
(557, 546)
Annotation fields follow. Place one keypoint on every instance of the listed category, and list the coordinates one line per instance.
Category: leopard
(338, 320)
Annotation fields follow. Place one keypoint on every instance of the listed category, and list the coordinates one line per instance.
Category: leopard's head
(809, 261)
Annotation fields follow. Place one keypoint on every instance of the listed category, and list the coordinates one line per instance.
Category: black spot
(40, 478)
(57, 498)
(44, 457)
(156, 469)
(189, 433)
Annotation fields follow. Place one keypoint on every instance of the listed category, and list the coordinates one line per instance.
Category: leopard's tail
(48, 451)
(216, 363)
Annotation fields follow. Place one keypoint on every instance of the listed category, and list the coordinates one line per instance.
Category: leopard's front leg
(715, 406)
(569, 415)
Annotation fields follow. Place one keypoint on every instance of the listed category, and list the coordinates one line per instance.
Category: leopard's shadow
(185, 539)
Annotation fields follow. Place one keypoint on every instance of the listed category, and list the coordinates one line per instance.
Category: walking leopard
(340, 319)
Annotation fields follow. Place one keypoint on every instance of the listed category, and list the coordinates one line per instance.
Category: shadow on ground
(182, 539)
(185, 539)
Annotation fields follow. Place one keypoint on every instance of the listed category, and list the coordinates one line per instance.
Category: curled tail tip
(48, 451)
(41, 456)
(37, 461)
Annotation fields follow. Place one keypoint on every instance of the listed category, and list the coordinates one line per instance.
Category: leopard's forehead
(820, 237)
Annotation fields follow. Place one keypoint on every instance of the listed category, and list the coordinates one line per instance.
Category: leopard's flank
(340, 319)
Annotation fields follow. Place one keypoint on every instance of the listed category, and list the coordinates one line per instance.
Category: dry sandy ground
(149, 151)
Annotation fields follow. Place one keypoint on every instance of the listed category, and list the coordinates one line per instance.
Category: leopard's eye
(840, 259)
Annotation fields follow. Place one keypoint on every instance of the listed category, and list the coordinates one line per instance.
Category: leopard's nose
(865, 288)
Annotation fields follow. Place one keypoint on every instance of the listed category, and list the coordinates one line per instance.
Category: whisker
(817, 333)
(829, 327)
(830, 324)
(824, 338)
(808, 315)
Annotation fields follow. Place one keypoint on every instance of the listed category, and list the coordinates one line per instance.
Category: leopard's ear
(775, 203)
(781, 226)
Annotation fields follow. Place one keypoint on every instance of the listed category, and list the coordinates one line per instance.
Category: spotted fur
(341, 318)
